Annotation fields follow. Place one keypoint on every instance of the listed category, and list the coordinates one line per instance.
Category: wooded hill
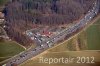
(24, 14)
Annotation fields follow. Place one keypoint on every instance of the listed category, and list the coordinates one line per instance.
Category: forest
(22, 15)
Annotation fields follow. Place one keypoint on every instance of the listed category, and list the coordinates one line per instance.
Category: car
(41, 45)
(47, 42)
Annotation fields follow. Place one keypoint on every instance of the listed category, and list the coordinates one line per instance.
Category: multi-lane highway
(20, 58)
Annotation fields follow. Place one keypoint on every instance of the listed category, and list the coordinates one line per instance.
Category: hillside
(22, 15)
(9, 49)
(51, 12)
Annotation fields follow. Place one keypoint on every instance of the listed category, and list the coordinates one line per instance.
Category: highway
(22, 57)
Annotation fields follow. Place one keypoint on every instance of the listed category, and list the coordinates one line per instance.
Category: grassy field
(8, 49)
(93, 36)
(35, 61)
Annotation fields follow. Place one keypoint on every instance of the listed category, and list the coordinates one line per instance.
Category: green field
(8, 49)
(93, 36)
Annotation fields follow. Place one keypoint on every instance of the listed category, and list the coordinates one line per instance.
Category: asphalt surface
(22, 57)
